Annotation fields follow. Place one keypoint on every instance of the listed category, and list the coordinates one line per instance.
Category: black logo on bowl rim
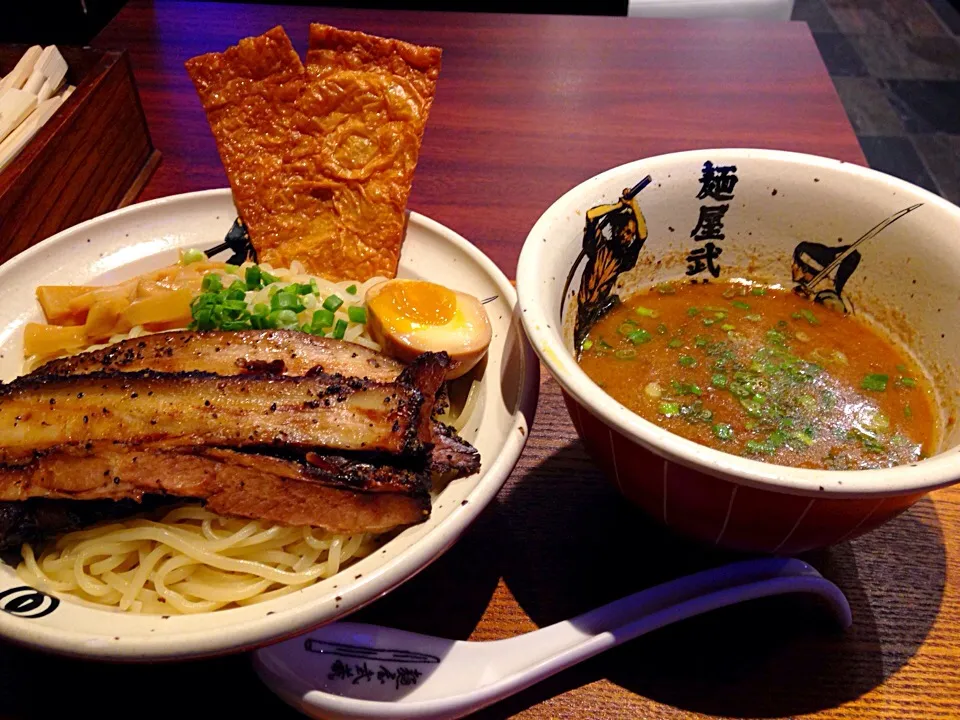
(26, 602)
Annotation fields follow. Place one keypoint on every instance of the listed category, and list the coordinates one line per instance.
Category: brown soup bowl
(772, 217)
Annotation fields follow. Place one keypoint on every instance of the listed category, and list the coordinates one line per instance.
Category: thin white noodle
(469, 405)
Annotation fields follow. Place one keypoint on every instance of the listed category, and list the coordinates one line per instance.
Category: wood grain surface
(526, 108)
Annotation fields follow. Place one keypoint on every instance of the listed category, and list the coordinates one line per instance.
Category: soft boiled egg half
(410, 317)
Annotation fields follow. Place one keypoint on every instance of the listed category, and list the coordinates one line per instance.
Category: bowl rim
(230, 638)
(938, 471)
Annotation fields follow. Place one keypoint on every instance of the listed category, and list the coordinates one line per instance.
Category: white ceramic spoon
(347, 671)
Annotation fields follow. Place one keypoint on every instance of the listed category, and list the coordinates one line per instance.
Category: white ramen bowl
(134, 240)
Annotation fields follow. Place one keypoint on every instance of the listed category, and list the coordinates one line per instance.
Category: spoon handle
(329, 672)
(554, 648)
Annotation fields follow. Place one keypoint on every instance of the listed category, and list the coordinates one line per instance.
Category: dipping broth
(764, 373)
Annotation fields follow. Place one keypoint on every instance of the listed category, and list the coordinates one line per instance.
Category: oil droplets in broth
(764, 373)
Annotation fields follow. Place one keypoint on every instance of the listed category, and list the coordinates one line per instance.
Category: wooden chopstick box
(94, 155)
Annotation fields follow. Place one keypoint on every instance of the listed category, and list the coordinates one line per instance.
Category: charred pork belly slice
(452, 454)
(342, 496)
(200, 409)
(35, 520)
(280, 352)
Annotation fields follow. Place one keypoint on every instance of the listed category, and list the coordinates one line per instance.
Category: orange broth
(764, 373)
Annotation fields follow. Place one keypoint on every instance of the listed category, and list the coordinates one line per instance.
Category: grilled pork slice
(200, 409)
(451, 454)
(280, 352)
(338, 494)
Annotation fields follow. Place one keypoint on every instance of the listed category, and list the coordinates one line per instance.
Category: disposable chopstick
(15, 106)
(22, 70)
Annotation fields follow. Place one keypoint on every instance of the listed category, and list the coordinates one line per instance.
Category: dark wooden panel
(83, 161)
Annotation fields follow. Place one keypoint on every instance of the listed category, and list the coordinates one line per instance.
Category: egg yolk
(416, 301)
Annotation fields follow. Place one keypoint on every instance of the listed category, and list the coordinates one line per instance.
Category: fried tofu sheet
(321, 158)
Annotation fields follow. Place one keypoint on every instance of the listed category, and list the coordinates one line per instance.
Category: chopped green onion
(874, 381)
(686, 388)
(687, 361)
(669, 409)
(237, 290)
(693, 312)
(322, 318)
(758, 448)
(753, 318)
(351, 289)
(758, 291)
(286, 319)
(907, 411)
(638, 337)
(708, 321)
(902, 368)
(332, 303)
(587, 344)
(740, 304)
(211, 283)
(666, 288)
(252, 277)
(809, 316)
(776, 337)
(339, 329)
(625, 354)
(777, 439)
(357, 314)
(719, 381)
(675, 343)
(645, 312)
(193, 256)
(728, 327)
(286, 301)
(907, 382)
(661, 329)
(700, 341)
(234, 305)
(720, 314)
(723, 431)
(267, 278)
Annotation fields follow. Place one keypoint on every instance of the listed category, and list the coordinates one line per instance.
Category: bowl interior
(131, 241)
(779, 218)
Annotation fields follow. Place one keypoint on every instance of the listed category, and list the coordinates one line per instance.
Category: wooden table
(527, 107)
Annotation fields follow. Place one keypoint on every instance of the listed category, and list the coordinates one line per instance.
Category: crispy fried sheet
(321, 159)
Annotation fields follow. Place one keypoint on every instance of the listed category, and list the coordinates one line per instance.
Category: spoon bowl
(347, 671)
